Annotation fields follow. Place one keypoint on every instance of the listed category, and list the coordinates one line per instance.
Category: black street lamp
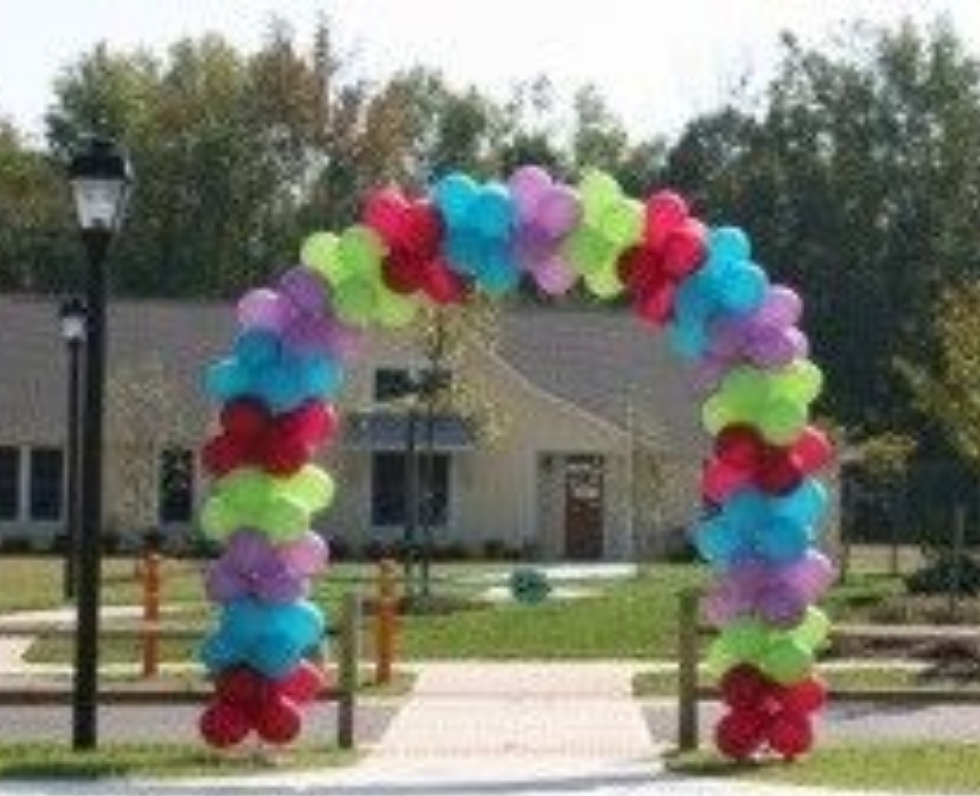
(100, 180)
(72, 315)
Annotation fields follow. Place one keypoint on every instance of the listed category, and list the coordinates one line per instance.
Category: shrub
(940, 576)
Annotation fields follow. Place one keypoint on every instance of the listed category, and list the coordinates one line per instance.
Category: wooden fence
(691, 692)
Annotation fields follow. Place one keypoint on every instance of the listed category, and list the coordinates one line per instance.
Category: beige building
(596, 457)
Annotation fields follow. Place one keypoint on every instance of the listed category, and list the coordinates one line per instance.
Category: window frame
(189, 485)
(34, 499)
(445, 520)
(18, 476)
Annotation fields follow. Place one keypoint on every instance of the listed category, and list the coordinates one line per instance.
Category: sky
(658, 62)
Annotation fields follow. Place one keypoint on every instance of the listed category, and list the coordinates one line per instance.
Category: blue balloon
(755, 525)
(270, 638)
(480, 223)
(728, 284)
(283, 379)
(454, 194)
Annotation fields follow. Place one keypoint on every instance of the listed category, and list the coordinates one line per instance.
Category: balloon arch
(721, 315)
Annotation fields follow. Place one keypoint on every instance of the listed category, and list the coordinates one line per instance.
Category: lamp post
(72, 315)
(100, 181)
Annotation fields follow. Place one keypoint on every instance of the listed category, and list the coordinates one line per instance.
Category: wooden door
(584, 508)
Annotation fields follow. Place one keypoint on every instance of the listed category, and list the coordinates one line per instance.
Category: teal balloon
(729, 243)
(454, 194)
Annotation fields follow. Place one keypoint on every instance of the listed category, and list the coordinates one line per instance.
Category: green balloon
(284, 519)
(716, 414)
(361, 251)
(311, 486)
(719, 659)
(745, 639)
(813, 631)
(246, 491)
(783, 421)
(802, 381)
(319, 253)
(597, 191)
(217, 519)
(356, 301)
(587, 249)
(395, 311)
(622, 222)
(787, 661)
(604, 283)
(746, 388)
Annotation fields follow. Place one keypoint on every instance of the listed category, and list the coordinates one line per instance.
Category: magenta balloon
(558, 211)
(262, 308)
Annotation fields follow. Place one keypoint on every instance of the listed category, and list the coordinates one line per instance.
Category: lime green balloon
(782, 421)
(588, 249)
(719, 659)
(746, 387)
(217, 518)
(246, 490)
(604, 283)
(597, 191)
(361, 250)
(312, 487)
(716, 413)
(283, 519)
(355, 302)
(787, 661)
(813, 631)
(745, 639)
(622, 222)
(320, 253)
(802, 381)
(395, 311)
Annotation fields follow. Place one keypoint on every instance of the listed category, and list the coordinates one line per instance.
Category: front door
(583, 507)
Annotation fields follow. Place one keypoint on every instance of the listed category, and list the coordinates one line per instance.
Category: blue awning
(390, 431)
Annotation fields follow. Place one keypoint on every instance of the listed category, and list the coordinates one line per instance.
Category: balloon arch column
(721, 315)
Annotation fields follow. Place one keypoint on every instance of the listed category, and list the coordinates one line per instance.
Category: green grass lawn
(55, 761)
(857, 766)
(664, 684)
(628, 618)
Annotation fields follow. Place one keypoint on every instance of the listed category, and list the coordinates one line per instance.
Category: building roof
(605, 363)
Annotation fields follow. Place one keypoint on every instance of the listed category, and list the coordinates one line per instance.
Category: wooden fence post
(385, 621)
(347, 675)
(687, 670)
(150, 638)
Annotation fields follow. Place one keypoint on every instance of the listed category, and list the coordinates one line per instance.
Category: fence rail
(691, 692)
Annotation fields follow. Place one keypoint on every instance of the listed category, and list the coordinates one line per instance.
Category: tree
(143, 421)
(947, 388)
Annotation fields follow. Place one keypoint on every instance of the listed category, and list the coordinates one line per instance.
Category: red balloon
(813, 449)
(222, 725)
(790, 734)
(656, 306)
(403, 273)
(665, 211)
(740, 734)
(384, 211)
(804, 697)
(444, 286)
(720, 479)
(240, 687)
(684, 250)
(280, 721)
(744, 688)
(221, 455)
(779, 472)
(304, 684)
(244, 418)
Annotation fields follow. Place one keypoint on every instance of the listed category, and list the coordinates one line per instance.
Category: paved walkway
(482, 730)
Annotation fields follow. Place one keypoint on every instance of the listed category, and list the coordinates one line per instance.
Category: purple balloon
(526, 186)
(554, 276)
(777, 594)
(263, 308)
(558, 211)
(305, 289)
(252, 566)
